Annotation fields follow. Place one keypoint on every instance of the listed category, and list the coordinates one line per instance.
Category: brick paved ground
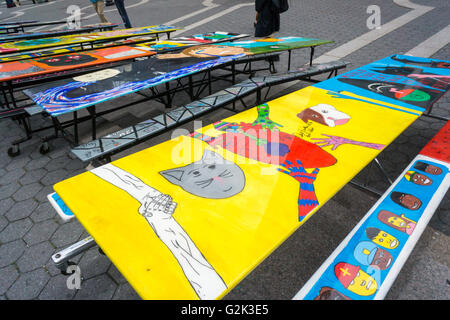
(30, 230)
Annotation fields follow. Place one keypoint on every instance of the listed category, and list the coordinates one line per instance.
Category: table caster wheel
(13, 151)
(69, 263)
(45, 148)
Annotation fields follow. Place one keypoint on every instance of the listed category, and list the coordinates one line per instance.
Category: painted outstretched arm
(157, 208)
(336, 141)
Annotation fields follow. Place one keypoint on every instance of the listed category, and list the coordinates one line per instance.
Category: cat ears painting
(211, 177)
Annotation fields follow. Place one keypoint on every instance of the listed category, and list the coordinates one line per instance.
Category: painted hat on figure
(409, 174)
(346, 273)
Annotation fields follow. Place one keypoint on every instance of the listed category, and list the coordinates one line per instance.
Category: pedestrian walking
(123, 13)
(99, 6)
(268, 18)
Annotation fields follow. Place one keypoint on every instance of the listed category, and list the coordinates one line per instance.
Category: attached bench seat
(112, 143)
(367, 262)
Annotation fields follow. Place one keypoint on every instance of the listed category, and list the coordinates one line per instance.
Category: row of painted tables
(190, 217)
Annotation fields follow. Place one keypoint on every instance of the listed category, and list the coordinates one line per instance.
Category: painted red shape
(439, 147)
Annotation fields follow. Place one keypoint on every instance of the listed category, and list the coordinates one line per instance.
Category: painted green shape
(269, 45)
(263, 118)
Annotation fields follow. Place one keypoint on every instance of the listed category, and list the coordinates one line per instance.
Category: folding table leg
(311, 56)
(75, 127)
(93, 114)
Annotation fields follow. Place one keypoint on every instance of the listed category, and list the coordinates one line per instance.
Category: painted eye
(196, 173)
(213, 166)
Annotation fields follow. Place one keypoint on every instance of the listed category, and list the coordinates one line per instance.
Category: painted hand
(334, 141)
(160, 206)
(298, 172)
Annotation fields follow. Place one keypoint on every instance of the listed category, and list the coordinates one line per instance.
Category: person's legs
(276, 21)
(123, 13)
(99, 8)
(264, 26)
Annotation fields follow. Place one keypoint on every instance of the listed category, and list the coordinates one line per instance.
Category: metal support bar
(61, 258)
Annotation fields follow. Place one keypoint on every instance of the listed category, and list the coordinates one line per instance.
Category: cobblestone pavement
(31, 231)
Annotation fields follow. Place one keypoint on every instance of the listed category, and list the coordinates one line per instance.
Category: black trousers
(268, 20)
(123, 13)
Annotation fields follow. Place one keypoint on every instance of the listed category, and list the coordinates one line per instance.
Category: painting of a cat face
(212, 177)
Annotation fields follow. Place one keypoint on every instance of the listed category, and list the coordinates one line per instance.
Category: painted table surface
(39, 66)
(161, 45)
(74, 48)
(28, 24)
(30, 68)
(69, 95)
(367, 262)
(53, 33)
(439, 147)
(406, 81)
(196, 221)
(26, 45)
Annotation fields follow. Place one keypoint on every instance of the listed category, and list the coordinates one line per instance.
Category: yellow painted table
(191, 217)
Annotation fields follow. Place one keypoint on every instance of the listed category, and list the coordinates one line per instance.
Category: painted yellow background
(234, 234)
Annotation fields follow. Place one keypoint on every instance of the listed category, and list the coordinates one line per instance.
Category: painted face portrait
(382, 238)
(418, 178)
(428, 168)
(406, 200)
(67, 60)
(354, 279)
(369, 254)
(327, 293)
(399, 222)
(324, 114)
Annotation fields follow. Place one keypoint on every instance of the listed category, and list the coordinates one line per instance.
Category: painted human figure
(406, 200)
(327, 293)
(158, 208)
(397, 222)
(368, 253)
(428, 168)
(418, 178)
(264, 142)
(382, 238)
